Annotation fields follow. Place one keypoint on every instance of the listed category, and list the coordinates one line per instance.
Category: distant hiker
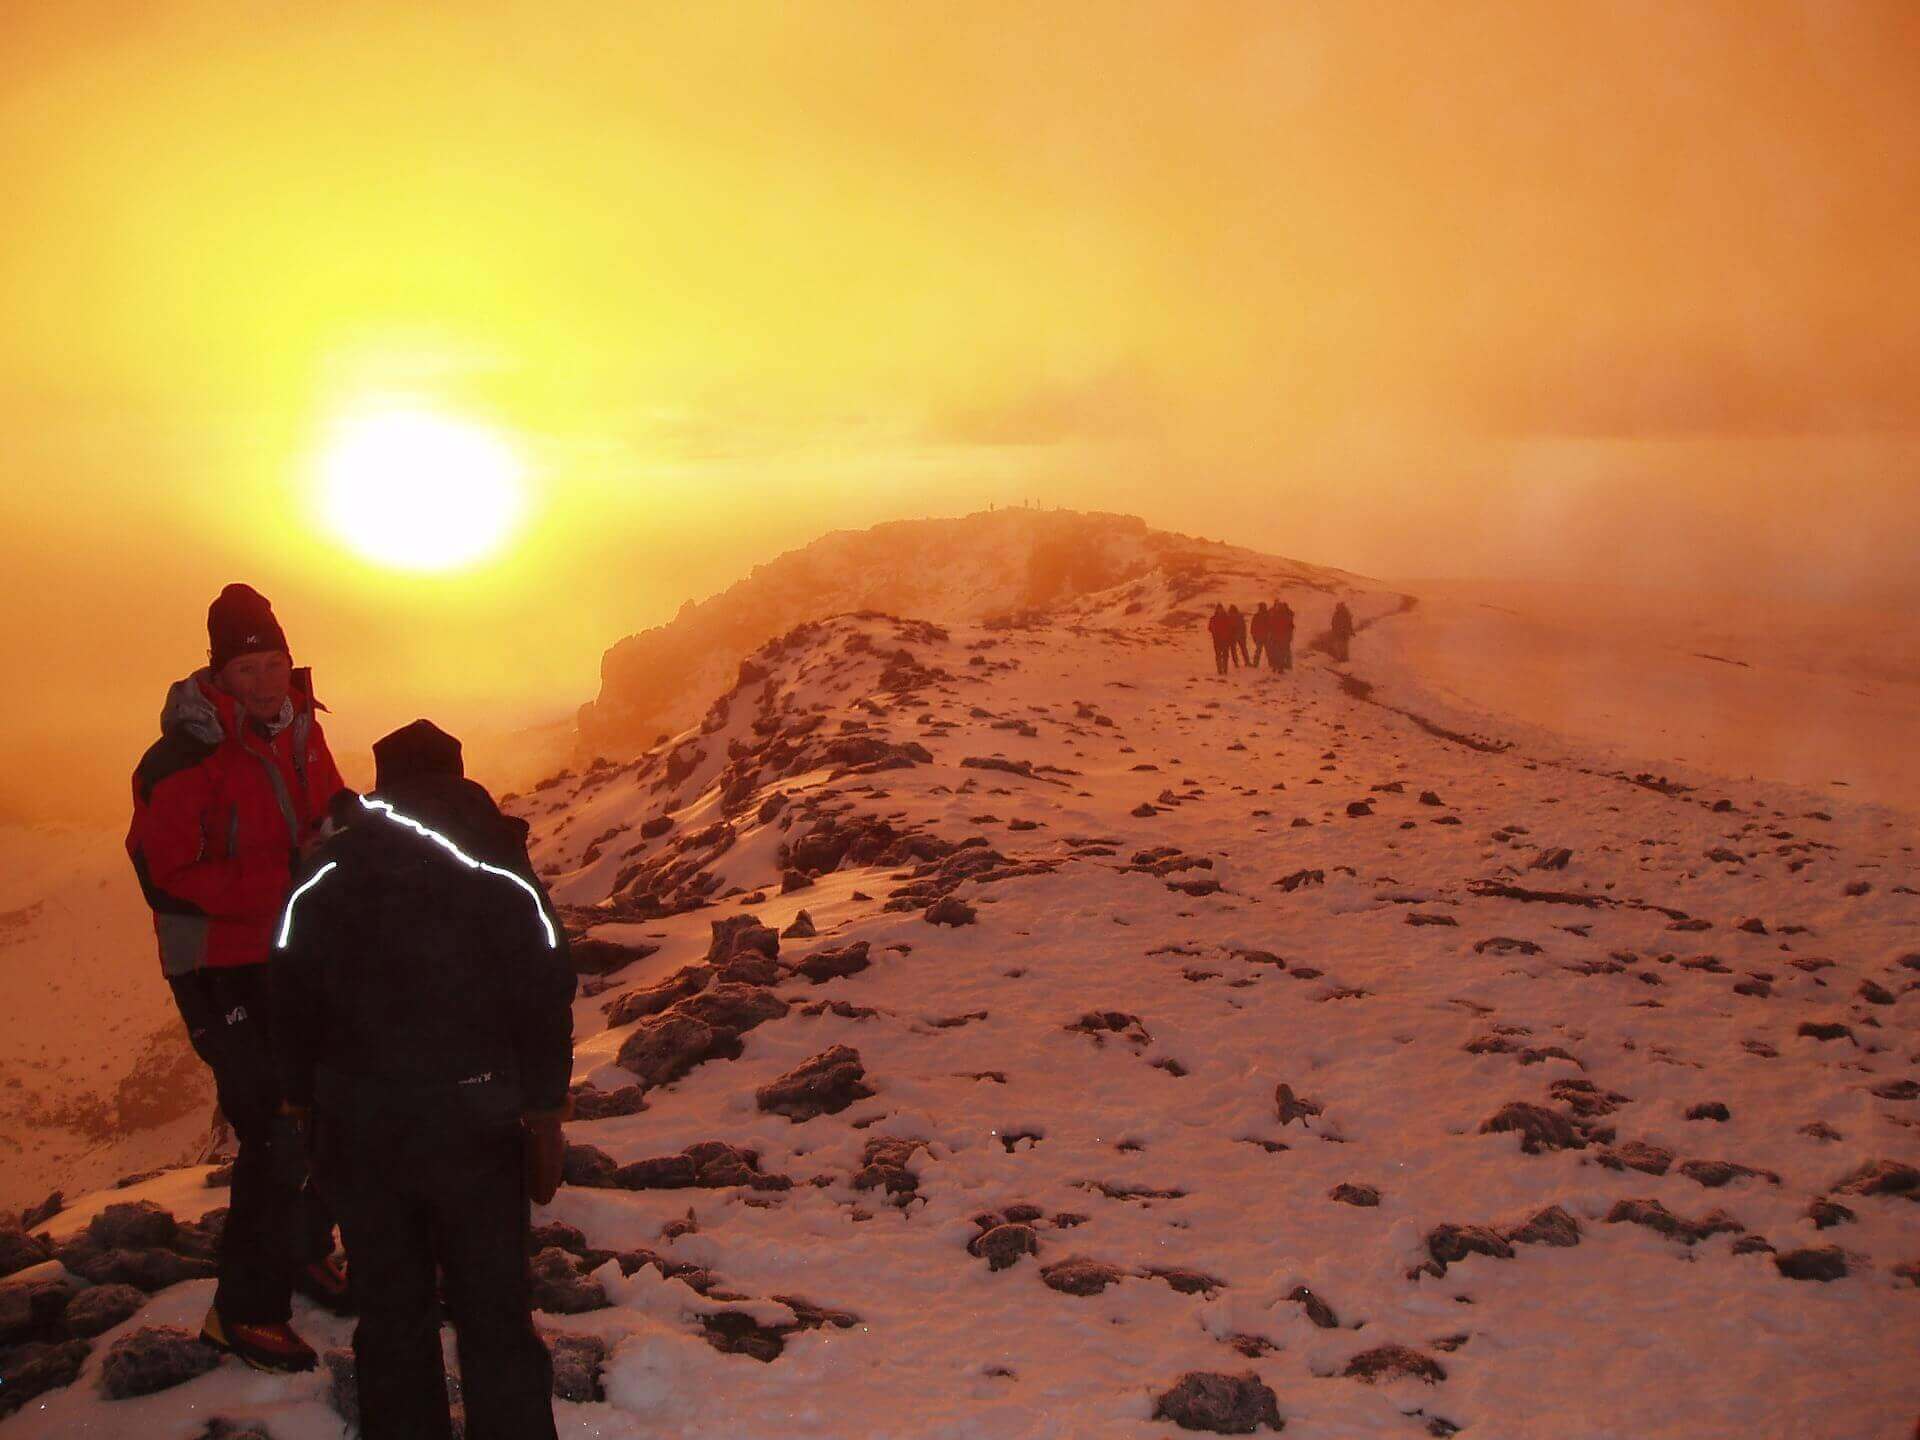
(1257, 627)
(424, 996)
(1341, 634)
(1280, 636)
(1239, 634)
(1220, 627)
(236, 787)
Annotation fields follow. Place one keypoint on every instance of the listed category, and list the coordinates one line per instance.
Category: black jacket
(407, 978)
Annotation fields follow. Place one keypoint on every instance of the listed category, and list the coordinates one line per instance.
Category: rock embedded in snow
(1222, 1404)
(824, 1085)
(156, 1357)
(99, 1308)
(1078, 1275)
(662, 1048)
(1551, 1226)
(1538, 1127)
(590, 1103)
(1824, 1264)
(587, 1166)
(949, 910)
(834, 962)
(29, 1371)
(1881, 1177)
(138, 1225)
(1291, 1107)
(1348, 1193)
(1450, 1244)
(561, 1285)
(1394, 1362)
(1656, 1217)
(1003, 1245)
(576, 1365)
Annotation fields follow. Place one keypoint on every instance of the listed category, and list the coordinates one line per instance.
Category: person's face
(259, 681)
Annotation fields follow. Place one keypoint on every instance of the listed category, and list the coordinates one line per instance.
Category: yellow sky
(1416, 288)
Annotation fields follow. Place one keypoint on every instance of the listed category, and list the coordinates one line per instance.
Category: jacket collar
(198, 707)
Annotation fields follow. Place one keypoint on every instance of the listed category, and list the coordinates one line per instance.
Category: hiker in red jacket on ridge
(236, 788)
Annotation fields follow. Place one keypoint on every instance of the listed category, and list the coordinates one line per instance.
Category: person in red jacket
(234, 791)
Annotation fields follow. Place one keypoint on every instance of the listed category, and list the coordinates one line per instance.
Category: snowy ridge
(1013, 1030)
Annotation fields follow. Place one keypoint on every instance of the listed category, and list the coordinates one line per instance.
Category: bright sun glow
(420, 491)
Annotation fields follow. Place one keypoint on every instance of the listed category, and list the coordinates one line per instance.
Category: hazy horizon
(1613, 295)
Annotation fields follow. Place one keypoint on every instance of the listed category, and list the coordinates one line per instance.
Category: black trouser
(275, 1223)
(415, 1189)
(1240, 650)
(1280, 654)
(1221, 650)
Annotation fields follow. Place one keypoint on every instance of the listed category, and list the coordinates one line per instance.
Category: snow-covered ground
(97, 1079)
(1245, 968)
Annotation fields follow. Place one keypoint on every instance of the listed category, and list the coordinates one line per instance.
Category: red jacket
(220, 808)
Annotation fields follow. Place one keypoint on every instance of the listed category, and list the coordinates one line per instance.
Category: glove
(546, 1147)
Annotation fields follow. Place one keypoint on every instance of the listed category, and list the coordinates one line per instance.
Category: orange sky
(1621, 290)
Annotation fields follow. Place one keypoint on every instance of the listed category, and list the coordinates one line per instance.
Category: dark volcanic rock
(590, 1103)
(1292, 1107)
(1318, 1311)
(1826, 1263)
(149, 1270)
(157, 1357)
(738, 933)
(1551, 1226)
(576, 1365)
(136, 1225)
(949, 910)
(1715, 1173)
(30, 1371)
(1394, 1362)
(834, 962)
(1635, 1155)
(1350, 1194)
(1539, 1128)
(883, 1165)
(665, 1047)
(591, 956)
(1003, 1245)
(1449, 1244)
(562, 1286)
(101, 1307)
(1656, 1217)
(1223, 1404)
(1077, 1275)
(18, 1249)
(633, 1005)
(587, 1166)
(1881, 1177)
(824, 1085)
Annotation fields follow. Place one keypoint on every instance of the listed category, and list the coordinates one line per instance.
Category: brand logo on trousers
(236, 1015)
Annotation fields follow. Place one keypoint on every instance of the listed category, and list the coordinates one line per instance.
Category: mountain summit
(993, 564)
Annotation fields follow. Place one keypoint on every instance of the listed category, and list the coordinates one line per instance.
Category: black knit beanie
(421, 748)
(240, 622)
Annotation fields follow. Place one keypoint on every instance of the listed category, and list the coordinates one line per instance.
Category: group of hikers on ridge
(1271, 630)
(383, 993)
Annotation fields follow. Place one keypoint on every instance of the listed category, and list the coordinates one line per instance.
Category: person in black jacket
(423, 997)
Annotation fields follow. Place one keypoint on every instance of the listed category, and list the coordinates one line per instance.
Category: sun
(416, 490)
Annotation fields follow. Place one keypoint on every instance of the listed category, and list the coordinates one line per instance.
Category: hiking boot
(325, 1283)
(264, 1347)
